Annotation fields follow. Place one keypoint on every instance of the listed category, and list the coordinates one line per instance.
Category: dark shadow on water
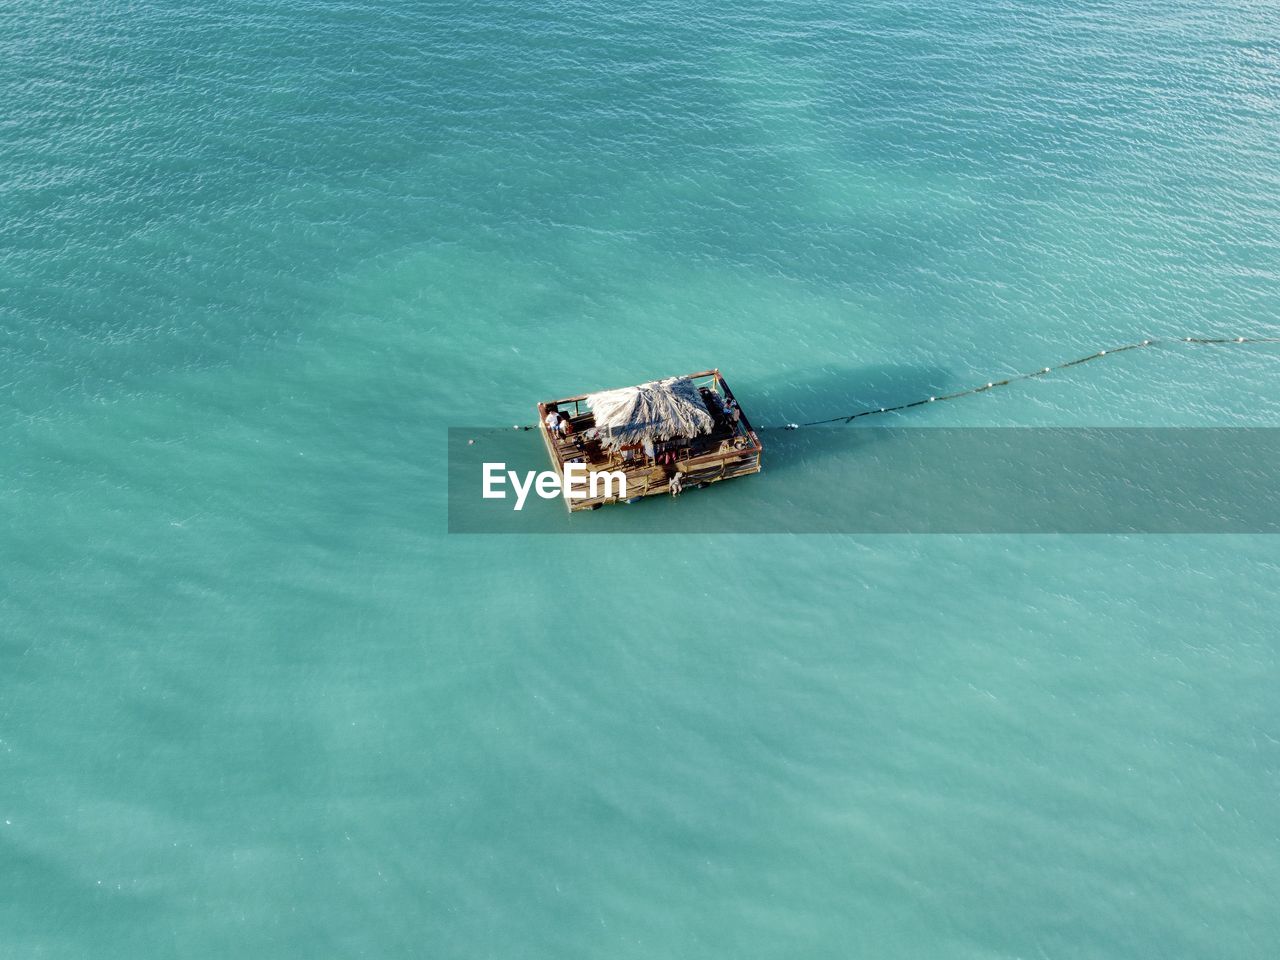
(818, 394)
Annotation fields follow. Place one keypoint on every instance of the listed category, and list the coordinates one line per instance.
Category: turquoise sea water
(255, 258)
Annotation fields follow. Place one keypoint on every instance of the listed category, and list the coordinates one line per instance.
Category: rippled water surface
(256, 258)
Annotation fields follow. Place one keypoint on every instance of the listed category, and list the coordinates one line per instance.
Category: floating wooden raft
(688, 427)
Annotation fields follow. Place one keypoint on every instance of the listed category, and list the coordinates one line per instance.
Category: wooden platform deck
(732, 449)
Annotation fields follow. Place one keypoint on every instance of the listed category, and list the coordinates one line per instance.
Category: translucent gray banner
(896, 480)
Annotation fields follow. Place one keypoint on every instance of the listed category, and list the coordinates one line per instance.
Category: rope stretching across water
(1028, 376)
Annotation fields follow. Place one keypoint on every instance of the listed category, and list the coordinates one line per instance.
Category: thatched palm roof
(661, 410)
